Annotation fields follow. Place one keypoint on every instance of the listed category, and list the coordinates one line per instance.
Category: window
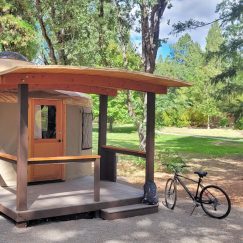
(87, 120)
(45, 122)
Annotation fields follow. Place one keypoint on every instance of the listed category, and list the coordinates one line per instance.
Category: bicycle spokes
(170, 194)
(215, 202)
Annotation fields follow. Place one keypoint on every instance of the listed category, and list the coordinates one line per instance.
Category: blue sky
(202, 10)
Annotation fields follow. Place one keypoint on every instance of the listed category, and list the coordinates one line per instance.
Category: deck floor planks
(62, 197)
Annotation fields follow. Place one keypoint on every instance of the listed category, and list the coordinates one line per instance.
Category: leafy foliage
(170, 161)
(16, 34)
(206, 101)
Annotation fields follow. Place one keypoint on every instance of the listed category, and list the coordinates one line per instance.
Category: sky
(202, 10)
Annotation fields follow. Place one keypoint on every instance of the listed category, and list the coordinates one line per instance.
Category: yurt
(60, 123)
(46, 132)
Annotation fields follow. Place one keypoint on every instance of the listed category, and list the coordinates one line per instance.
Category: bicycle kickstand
(195, 206)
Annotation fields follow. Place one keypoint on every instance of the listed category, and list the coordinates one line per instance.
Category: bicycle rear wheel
(215, 202)
(170, 193)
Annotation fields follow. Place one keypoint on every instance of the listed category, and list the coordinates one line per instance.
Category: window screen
(87, 120)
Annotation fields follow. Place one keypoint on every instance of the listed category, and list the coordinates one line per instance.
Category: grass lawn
(185, 146)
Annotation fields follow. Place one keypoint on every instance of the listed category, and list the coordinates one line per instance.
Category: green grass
(199, 147)
(186, 146)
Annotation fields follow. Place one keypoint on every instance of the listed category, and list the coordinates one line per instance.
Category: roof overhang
(105, 81)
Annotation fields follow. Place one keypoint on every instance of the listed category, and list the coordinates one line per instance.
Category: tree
(230, 52)
(149, 15)
(68, 31)
(212, 67)
(230, 78)
(187, 61)
(117, 109)
(16, 34)
(230, 19)
(117, 112)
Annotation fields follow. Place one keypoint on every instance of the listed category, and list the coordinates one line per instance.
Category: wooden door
(46, 138)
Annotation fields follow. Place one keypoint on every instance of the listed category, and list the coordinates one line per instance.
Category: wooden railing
(8, 157)
(65, 160)
(137, 153)
(108, 168)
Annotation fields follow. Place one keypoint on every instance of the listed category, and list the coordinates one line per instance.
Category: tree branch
(191, 25)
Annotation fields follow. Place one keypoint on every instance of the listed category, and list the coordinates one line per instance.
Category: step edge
(128, 208)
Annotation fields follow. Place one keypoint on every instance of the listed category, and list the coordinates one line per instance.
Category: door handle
(59, 140)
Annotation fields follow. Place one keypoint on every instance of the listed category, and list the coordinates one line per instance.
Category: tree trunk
(150, 23)
(111, 121)
(101, 41)
(208, 122)
(140, 124)
(44, 32)
(60, 35)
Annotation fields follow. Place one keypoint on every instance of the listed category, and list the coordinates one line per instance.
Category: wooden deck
(65, 198)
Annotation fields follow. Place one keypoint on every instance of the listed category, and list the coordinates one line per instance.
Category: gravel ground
(165, 226)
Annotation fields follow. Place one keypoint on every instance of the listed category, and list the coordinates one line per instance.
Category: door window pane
(45, 122)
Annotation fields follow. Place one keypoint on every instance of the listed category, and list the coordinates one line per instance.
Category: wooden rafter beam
(67, 87)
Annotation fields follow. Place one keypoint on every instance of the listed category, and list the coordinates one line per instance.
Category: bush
(183, 120)
(239, 124)
(224, 122)
(169, 161)
(176, 118)
(166, 120)
(197, 119)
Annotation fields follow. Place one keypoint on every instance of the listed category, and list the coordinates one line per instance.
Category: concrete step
(128, 211)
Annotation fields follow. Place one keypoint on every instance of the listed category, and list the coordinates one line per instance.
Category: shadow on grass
(119, 129)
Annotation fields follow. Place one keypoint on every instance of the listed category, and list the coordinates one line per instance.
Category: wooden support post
(102, 121)
(102, 133)
(111, 165)
(97, 180)
(150, 132)
(22, 148)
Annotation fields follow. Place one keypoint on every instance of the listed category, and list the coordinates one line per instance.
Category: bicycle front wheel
(170, 193)
(215, 202)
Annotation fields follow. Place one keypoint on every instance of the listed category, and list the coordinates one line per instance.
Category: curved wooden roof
(81, 79)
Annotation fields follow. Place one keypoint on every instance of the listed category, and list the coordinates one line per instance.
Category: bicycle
(213, 199)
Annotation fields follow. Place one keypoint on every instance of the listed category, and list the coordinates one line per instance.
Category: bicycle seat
(201, 173)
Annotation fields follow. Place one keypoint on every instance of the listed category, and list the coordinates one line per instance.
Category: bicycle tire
(215, 198)
(170, 189)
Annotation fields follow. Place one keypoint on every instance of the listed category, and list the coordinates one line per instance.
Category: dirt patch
(226, 173)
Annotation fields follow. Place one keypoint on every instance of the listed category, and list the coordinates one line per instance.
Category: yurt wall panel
(74, 142)
(8, 142)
